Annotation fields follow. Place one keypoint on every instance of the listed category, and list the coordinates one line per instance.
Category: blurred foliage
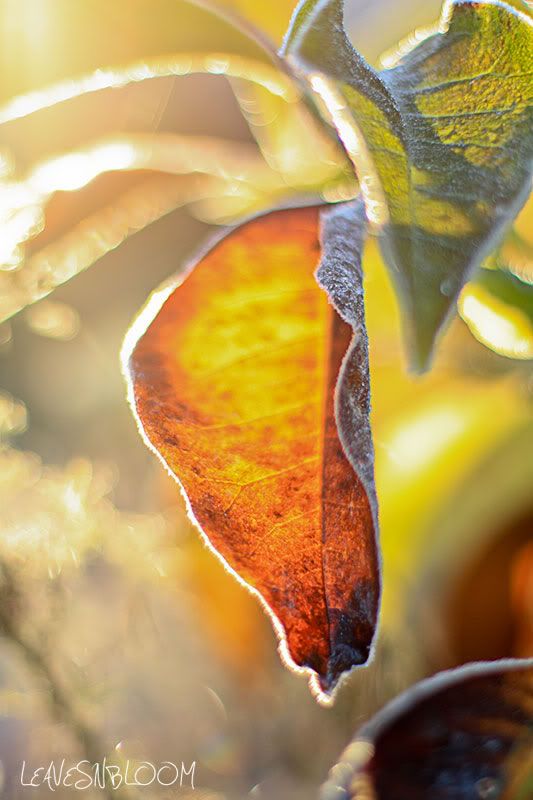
(109, 596)
(129, 167)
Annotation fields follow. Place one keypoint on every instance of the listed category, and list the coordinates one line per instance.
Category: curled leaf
(466, 734)
(442, 142)
(233, 376)
(105, 137)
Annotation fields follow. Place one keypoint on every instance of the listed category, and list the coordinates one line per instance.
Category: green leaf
(442, 143)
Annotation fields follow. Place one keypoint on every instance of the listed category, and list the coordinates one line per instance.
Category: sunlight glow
(355, 145)
(91, 239)
(503, 328)
(22, 202)
(224, 179)
(75, 170)
(415, 443)
(391, 58)
(17, 226)
(13, 415)
(53, 320)
(215, 63)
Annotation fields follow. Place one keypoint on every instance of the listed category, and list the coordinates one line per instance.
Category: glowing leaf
(87, 36)
(466, 734)
(113, 120)
(442, 142)
(151, 175)
(233, 377)
(103, 135)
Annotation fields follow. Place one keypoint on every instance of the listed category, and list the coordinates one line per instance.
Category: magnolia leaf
(442, 143)
(466, 734)
(232, 375)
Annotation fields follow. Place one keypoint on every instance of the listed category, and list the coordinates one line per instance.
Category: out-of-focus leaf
(295, 144)
(497, 305)
(69, 253)
(516, 256)
(516, 252)
(525, 6)
(214, 62)
(466, 734)
(46, 241)
(233, 378)
(498, 309)
(100, 129)
(524, 222)
(64, 136)
(97, 36)
(442, 143)
(272, 17)
(41, 248)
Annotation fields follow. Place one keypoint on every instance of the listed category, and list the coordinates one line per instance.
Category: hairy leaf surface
(234, 384)
(442, 142)
(466, 734)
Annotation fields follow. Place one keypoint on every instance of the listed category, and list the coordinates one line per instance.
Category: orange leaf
(233, 381)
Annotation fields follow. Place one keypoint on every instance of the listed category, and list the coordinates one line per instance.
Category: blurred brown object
(522, 600)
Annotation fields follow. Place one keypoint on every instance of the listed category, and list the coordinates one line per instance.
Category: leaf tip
(342, 662)
(420, 354)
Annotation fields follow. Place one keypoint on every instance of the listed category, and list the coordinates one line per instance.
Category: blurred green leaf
(516, 252)
(442, 143)
(498, 309)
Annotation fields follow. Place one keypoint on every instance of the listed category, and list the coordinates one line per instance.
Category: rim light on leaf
(442, 142)
(254, 391)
